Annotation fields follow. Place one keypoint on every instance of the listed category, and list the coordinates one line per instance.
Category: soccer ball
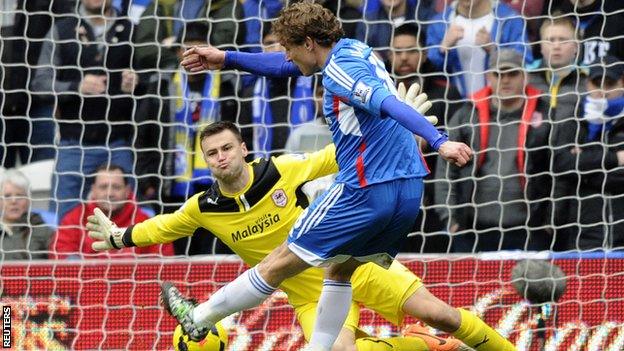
(216, 340)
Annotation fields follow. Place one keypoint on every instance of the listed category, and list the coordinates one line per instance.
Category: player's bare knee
(445, 318)
(345, 342)
(338, 276)
(280, 265)
(342, 271)
(453, 319)
(344, 346)
(433, 311)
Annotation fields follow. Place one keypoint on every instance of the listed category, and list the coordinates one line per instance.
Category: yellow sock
(395, 344)
(478, 335)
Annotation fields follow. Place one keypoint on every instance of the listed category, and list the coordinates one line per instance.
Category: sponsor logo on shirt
(263, 223)
(362, 92)
(536, 119)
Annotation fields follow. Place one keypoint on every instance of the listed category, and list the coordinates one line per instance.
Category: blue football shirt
(369, 149)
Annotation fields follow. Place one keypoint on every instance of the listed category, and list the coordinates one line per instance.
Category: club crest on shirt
(362, 92)
(536, 119)
(279, 198)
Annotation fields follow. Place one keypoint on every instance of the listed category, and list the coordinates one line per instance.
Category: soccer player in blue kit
(374, 202)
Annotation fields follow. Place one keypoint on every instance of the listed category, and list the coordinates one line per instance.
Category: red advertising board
(114, 305)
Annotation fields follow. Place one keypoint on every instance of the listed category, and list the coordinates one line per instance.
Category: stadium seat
(39, 174)
(49, 218)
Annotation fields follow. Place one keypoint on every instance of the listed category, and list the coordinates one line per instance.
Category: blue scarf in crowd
(190, 169)
(301, 111)
(614, 110)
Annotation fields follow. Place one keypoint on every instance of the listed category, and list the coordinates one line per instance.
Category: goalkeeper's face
(224, 154)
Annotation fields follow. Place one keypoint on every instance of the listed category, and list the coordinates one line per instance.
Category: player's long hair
(307, 19)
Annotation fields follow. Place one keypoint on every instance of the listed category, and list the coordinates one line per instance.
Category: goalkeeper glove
(107, 235)
(416, 101)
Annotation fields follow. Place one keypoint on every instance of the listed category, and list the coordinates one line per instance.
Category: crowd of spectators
(535, 87)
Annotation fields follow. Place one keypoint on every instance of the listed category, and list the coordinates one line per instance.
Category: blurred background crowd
(96, 112)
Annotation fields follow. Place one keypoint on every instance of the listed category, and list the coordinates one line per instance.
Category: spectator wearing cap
(23, 234)
(594, 163)
(498, 202)
(463, 37)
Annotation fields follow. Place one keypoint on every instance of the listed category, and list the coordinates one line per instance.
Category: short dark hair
(194, 31)
(110, 167)
(411, 29)
(218, 127)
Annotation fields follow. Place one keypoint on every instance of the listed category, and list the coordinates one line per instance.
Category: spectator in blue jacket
(257, 11)
(462, 38)
(378, 26)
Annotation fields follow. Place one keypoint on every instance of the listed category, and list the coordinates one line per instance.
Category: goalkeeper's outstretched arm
(168, 227)
(160, 229)
(107, 235)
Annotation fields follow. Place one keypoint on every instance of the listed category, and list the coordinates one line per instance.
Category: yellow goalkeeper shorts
(381, 290)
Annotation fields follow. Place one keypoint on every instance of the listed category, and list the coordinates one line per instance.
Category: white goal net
(536, 88)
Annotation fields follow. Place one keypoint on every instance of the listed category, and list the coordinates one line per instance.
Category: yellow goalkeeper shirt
(255, 220)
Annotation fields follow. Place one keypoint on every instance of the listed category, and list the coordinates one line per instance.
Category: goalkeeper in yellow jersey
(253, 206)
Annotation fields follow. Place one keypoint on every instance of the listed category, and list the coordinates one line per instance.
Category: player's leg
(422, 304)
(351, 338)
(385, 292)
(333, 228)
(333, 305)
(255, 285)
(391, 344)
(459, 322)
(397, 291)
(248, 290)
(351, 222)
(306, 315)
(347, 341)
